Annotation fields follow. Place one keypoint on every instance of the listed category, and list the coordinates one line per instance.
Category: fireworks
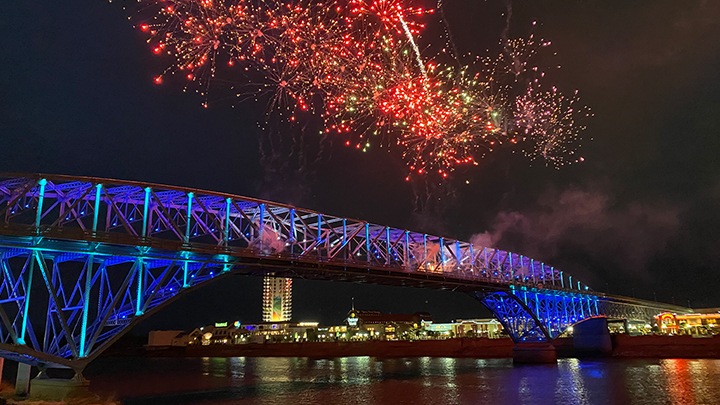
(357, 64)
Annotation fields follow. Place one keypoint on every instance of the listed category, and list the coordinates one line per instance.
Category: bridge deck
(108, 252)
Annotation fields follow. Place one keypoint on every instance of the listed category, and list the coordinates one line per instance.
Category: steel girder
(538, 315)
(621, 308)
(139, 214)
(83, 259)
(66, 307)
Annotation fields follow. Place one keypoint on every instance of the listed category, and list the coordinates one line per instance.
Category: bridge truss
(83, 259)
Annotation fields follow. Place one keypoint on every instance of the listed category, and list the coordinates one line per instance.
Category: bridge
(84, 259)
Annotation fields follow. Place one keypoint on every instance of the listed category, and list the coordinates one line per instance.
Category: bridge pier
(591, 337)
(22, 381)
(534, 353)
(43, 387)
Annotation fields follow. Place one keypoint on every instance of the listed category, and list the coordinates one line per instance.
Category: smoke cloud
(585, 223)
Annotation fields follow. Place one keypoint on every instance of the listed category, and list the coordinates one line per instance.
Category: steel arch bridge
(83, 259)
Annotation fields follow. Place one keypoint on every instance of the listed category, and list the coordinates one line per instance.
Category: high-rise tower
(277, 299)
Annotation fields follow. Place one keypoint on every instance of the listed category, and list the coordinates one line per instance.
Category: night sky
(639, 217)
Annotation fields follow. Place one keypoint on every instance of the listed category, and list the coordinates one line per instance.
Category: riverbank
(666, 347)
(8, 397)
(623, 346)
(480, 348)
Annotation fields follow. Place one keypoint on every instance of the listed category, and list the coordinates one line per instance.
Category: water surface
(365, 380)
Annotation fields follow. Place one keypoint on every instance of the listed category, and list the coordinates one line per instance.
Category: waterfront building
(165, 338)
(280, 332)
(358, 325)
(277, 299)
(480, 328)
(626, 327)
(235, 333)
(219, 333)
(489, 328)
(377, 325)
(703, 322)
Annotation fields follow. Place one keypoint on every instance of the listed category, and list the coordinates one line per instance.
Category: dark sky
(639, 217)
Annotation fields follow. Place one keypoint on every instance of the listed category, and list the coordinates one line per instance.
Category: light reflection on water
(365, 380)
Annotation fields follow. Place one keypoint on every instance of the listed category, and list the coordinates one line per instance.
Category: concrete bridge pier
(22, 380)
(591, 337)
(534, 353)
(43, 387)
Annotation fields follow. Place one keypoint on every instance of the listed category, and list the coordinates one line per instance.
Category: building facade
(358, 326)
(703, 322)
(277, 299)
(365, 325)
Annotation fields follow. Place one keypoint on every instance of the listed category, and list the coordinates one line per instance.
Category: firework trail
(446, 27)
(357, 65)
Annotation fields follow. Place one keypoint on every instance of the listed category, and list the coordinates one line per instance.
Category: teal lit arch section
(87, 298)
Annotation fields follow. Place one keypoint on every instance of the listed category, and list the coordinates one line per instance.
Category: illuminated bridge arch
(83, 259)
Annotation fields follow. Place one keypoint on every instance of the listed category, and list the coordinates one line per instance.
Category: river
(365, 380)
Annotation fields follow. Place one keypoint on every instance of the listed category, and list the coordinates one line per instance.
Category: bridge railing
(141, 214)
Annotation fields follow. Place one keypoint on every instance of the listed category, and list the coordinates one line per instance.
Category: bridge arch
(538, 315)
(104, 253)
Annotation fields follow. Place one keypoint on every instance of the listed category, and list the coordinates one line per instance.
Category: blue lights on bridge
(109, 252)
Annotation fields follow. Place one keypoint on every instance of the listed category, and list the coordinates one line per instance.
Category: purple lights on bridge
(109, 252)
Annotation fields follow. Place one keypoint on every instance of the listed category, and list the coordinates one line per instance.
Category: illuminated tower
(277, 299)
